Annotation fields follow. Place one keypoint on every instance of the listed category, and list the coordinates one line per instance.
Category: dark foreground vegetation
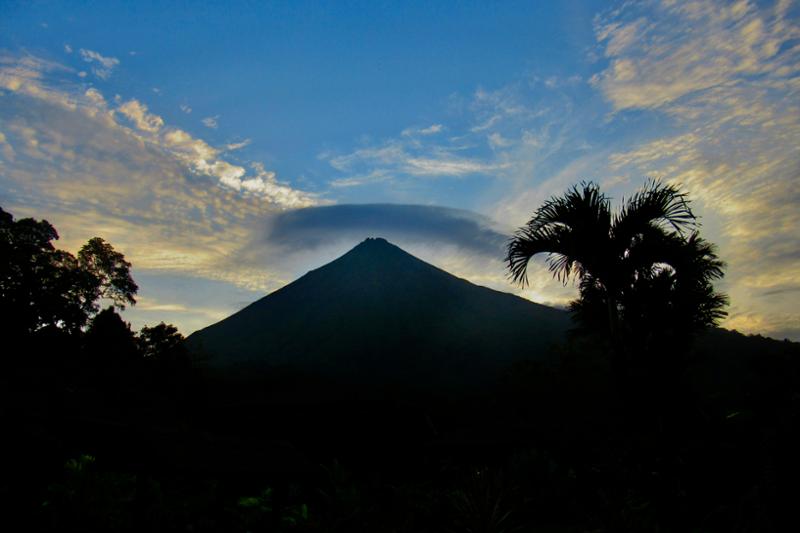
(643, 419)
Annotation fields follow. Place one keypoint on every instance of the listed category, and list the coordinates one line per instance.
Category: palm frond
(527, 242)
(656, 204)
(568, 228)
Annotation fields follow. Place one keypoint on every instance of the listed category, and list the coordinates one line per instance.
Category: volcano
(380, 314)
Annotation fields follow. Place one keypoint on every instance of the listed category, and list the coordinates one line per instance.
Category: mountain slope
(378, 312)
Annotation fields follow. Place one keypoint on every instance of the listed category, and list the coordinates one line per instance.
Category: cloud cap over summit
(317, 226)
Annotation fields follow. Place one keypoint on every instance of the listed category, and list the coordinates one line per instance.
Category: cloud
(495, 121)
(103, 66)
(430, 130)
(186, 109)
(461, 242)
(179, 210)
(491, 148)
(67, 48)
(164, 197)
(447, 166)
(492, 107)
(137, 113)
(694, 47)
(727, 76)
(26, 76)
(317, 226)
(376, 176)
(401, 157)
(496, 140)
(230, 147)
(557, 82)
(210, 122)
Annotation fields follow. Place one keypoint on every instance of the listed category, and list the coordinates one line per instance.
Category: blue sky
(190, 136)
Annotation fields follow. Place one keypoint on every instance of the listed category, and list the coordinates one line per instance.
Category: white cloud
(727, 74)
(230, 147)
(67, 156)
(186, 109)
(376, 176)
(149, 304)
(410, 158)
(491, 107)
(430, 130)
(496, 140)
(557, 82)
(67, 48)
(96, 98)
(137, 113)
(447, 166)
(694, 47)
(211, 122)
(103, 66)
(26, 76)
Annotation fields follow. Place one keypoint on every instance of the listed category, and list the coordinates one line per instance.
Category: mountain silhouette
(379, 313)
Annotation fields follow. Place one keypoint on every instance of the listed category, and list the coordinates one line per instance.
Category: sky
(228, 148)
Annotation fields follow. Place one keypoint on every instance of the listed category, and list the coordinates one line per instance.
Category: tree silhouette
(163, 345)
(160, 340)
(109, 340)
(111, 272)
(644, 273)
(41, 286)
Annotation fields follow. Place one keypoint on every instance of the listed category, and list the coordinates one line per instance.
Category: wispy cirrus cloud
(230, 147)
(102, 66)
(728, 76)
(490, 107)
(166, 198)
(685, 48)
(211, 122)
(433, 129)
(25, 77)
(426, 152)
(373, 177)
(402, 157)
(501, 132)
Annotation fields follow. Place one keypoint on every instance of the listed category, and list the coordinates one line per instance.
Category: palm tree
(641, 270)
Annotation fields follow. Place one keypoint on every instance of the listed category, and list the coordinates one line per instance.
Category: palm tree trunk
(612, 316)
(614, 332)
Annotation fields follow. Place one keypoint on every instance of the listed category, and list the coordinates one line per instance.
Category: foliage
(161, 342)
(41, 286)
(90, 499)
(111, 271)
(479, 504)
(109, 340)
(177, 451)
(259, 513)
(642, 270)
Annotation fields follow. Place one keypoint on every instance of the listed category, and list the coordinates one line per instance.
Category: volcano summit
(379, 313)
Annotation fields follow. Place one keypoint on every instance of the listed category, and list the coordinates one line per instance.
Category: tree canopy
(42, 286)
(643, 270)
